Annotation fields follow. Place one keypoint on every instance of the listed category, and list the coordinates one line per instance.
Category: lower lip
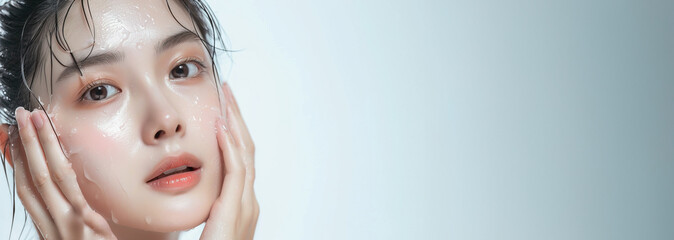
(177, 183)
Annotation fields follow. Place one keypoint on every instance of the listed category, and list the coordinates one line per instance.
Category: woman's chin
(167, 224)
(176, 224)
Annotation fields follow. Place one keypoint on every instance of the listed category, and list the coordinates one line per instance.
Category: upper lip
(170, 162)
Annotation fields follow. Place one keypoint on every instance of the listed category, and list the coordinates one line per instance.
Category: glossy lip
(175, 182)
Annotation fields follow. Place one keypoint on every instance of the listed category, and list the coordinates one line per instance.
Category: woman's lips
(175, 173)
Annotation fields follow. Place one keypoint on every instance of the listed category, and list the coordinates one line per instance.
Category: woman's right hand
(47, 185)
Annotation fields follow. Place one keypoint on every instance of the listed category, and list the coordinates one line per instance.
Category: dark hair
(25, 25)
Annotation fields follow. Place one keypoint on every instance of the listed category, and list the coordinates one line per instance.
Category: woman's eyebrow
(176, 39)
(102, 58)
(113, 57)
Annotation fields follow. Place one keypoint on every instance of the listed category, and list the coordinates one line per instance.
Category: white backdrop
(456, 119)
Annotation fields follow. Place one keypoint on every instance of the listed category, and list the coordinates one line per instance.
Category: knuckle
(41, 180)
(239, 171)
(62, 175)
(24, 192)
(250, 173)
(236, 170)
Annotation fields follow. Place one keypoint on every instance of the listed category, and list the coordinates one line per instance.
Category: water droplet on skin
(72, 151)
(87, 175)
(139, 45)
(148, 220)
(114, 219)
(73, 131)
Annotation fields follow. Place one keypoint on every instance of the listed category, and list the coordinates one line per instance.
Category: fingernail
(18, 114)
(37, 119)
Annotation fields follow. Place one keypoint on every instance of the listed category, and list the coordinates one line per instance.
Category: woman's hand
(234, 213)
(47, 184)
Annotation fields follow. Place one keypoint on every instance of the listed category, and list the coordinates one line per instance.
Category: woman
(126, 139)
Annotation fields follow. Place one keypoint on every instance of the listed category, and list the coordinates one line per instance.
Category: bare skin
(47, 185)
(153, 97)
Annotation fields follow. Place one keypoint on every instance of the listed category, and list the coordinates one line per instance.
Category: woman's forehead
(116, 25)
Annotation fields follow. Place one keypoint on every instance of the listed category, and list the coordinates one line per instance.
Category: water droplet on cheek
(148, 220)
(87, 174)
(114, 219)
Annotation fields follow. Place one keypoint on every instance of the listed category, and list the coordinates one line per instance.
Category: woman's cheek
(92, 154)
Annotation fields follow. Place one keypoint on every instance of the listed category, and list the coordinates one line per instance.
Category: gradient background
(456, 119)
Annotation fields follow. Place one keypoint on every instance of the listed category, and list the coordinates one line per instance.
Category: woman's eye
(184, 70)
(100, 92)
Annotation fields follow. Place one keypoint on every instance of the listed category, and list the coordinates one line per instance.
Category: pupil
(179, 71)
(98, 93)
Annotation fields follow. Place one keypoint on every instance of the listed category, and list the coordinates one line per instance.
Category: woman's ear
(4, 141)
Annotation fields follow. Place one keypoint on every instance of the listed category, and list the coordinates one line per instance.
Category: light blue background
(457, 119)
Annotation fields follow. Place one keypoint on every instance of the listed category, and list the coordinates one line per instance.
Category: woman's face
(145, 99)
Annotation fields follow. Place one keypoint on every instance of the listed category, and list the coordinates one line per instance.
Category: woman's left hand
(234, 214)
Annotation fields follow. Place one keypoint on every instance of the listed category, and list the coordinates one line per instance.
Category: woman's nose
(163, 121)
(167, 129)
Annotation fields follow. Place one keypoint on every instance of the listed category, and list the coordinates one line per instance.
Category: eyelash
(196, 61)
(90, 86)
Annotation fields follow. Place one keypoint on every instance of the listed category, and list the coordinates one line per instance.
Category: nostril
(178, 128)
(158, 134)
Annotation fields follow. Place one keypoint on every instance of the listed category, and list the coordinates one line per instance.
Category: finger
(240, 131)
(239, 128)
(56, 203)
(233, 183)
(96, 222)
(64, 176)
(28, 195)
(249, 205)
(60, 168)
